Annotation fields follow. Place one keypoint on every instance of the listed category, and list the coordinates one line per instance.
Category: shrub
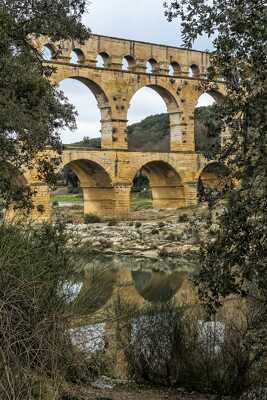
(36, 311)
(55, 203)
(34, 264)
(169, 347)
(92, 219)
(183, 218)
(112, 222)
(138, 224)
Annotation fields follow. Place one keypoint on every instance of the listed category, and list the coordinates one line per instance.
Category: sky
(131, 19)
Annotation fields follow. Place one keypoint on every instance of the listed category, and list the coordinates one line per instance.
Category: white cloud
(205, 100)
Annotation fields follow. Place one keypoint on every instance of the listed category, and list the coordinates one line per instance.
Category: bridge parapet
(137, 53)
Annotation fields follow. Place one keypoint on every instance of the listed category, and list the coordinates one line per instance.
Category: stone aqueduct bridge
(106, 175)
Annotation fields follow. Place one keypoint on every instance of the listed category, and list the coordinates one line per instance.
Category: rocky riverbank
(174, 237)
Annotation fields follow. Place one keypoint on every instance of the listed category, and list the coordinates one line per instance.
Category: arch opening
(174, 69)
(153, 120)
(157, 185)
(193, 71)
(83, 187)
(207, 124)
(102, 60)
(48, 52)
(94, 112)
(15, 192)
(128, 63)
(212, 177)
(77, 56)
(151, 66)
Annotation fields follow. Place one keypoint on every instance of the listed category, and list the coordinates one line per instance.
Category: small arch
(15, 193)
(193, 71)
(212, 176)
(165, 185)
(151, 66)
(77, 56)
(128, 63)
(174, 69)
(48, 52)
(102, 60)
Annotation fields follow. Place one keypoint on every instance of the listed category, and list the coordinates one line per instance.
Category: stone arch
(194, 71)
(211, 176)
(210, 144)
(103, 104)
(165, 183)
(19, 184)
(96, 185)
(102, 59)
(78, 55)
(174, 68)
(51, 48)
(173, 111)
(151, 66)
(128, 63)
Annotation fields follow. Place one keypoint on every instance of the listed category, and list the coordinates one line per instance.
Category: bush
(183, 218)
(169, 347)
(55, 203)
(34, 340)
(36, 312)
(112, 222)
(92, 219)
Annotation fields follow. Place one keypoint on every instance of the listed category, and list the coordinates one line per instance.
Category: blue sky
(138, 20)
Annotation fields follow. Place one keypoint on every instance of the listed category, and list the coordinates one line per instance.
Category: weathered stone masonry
(106, 176)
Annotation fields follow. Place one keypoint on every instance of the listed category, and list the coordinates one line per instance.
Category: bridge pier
(122, 191)
(99, 201)
(168, 197)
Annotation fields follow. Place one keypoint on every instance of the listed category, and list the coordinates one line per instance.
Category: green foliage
(32, 110)
(151, 134)
(233, 259)
(183, 218)
(92, 219)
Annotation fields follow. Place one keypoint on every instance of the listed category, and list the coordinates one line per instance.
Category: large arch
(165, 183)
(96, 186)
(207, 129)
(103, 105)
(172, 108)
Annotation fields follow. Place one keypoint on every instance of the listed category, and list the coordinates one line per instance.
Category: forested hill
(152, 133)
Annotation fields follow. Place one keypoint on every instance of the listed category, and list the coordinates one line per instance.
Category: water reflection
(156, 280)
(157, 286)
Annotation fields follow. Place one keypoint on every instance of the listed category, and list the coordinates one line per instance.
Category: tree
(32, 110)
(234, 257)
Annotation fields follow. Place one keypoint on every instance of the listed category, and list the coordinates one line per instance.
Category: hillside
(152, 133)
